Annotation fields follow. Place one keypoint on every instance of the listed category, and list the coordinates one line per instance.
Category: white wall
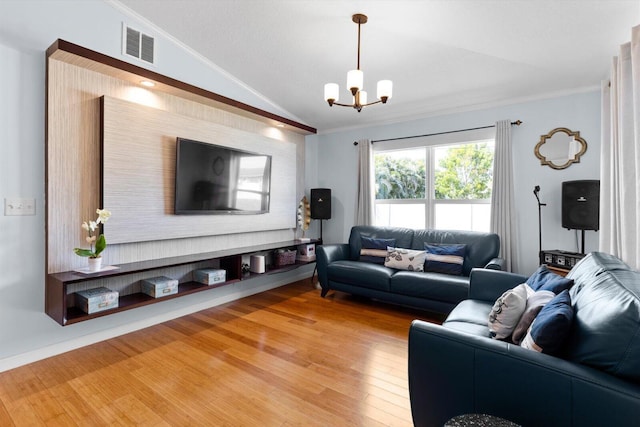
(332, 163)
(27, 29)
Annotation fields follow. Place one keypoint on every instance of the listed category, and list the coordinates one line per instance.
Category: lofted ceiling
(442, 55)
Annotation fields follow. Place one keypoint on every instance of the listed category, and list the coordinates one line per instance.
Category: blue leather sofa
(340, 267)
(457, 369)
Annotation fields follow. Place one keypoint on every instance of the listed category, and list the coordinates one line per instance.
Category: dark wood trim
(47, 297)
(83, 52)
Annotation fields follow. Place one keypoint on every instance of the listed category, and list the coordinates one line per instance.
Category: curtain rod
(516, 123)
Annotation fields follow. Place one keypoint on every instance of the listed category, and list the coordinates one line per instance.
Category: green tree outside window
(464, 172)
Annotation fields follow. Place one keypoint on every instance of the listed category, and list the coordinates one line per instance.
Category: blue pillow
(445, 258)
(375, 250)
(551, 326)
(545, 280)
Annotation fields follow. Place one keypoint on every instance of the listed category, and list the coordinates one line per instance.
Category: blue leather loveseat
(342, 267)
(456, 368)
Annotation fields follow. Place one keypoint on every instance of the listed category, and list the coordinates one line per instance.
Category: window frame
(431, 142)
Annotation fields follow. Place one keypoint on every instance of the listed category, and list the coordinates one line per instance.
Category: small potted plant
(97, 244)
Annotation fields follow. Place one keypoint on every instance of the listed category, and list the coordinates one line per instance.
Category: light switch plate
(19, 206)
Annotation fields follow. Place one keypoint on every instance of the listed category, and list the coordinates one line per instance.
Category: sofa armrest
(453, 373)
(495, 264)
(488, 285)
(325, 255)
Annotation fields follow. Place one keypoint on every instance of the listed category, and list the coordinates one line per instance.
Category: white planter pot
(95, 264)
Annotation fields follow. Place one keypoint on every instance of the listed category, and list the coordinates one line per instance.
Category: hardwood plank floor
(286, 357)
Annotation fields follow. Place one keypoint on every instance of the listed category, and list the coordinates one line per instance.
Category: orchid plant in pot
(97, 242)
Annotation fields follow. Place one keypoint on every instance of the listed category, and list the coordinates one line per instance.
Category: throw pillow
(507, 310)
(545, 280)
(405, 259)
(535, 302)
(551, 326)
(445, 258)
(375, 250)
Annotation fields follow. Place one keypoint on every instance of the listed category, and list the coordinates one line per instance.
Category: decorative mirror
(560, 147)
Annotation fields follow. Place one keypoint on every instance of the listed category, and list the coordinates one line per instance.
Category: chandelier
(355, 80)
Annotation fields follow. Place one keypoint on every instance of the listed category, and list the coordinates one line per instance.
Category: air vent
(137, 44)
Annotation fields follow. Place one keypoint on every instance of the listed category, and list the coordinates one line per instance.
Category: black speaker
(581, 204)
(321, 203)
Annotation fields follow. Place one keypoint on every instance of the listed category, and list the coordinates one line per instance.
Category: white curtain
(364, 196)
(620, 156)
(502, 205)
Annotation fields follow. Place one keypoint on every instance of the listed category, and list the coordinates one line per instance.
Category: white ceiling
(442, 55)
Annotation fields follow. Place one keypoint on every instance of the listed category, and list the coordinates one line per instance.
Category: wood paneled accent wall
(139, 152)
(73, 173)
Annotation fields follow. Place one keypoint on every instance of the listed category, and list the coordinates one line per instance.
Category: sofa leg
(324, 291)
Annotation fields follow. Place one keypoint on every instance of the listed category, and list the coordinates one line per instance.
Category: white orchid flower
(85, 226)
(103, 215)
(93, 225)
(91, 239)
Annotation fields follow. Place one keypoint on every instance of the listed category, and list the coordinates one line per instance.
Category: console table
(60, 287)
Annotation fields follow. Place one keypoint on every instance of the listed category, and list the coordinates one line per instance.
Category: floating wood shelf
(59, 298)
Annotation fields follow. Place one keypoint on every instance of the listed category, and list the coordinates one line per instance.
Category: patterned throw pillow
(405, 259)
(507, 310)
(375, 250)
(445, 258)
(551, 326)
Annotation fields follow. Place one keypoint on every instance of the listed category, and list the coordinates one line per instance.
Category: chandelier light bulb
(362, 97)
(355, 81)
(331, 93)
(385, 90)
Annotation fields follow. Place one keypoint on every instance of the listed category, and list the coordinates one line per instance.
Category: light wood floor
(286, 357)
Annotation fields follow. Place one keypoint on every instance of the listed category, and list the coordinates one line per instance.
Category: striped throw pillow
(375, 250)
(445, 258)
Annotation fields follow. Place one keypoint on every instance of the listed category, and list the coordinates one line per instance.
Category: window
(426, 184)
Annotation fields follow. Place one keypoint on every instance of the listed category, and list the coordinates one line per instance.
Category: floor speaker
(581, 205)
(321, 203)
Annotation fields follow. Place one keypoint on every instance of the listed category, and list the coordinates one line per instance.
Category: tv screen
(212, 179)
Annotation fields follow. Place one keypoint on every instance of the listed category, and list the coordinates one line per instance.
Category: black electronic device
(321, 203)
(561, 259)
(214, 179)
(581, 205)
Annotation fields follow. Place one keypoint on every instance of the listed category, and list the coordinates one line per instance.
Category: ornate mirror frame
(575, 147)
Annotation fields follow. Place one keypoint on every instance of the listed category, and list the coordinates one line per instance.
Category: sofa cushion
(435, 286)
(403, 236)
(550, 328)
(606, 299)
(375, 250)
(470, 316)
(405, 259)
(445, 258)
(544, 279)
(507, 311)
(363, 274)
(480, 247)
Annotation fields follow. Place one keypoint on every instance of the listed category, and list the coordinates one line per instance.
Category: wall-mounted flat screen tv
(212, 179)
